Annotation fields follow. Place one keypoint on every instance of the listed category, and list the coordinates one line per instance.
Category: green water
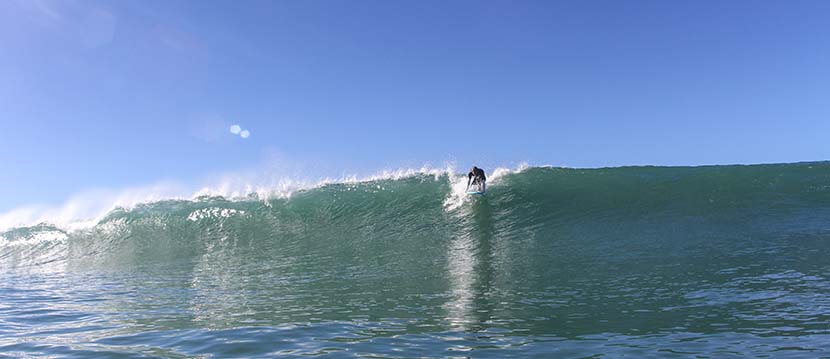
(639, 262)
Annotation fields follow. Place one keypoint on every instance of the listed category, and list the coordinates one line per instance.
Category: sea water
(632, 262)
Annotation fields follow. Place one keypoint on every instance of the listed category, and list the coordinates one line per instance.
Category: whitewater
(643, 261)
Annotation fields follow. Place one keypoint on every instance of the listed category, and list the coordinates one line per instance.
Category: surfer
(477, 177)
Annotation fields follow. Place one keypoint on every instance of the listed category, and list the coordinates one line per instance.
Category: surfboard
(475, 192)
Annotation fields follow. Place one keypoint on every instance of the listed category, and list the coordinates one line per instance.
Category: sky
(119, 94)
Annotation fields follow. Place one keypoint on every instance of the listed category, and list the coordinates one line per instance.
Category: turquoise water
(634, 262)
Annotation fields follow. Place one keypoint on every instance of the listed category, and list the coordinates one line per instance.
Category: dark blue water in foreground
(639, 262)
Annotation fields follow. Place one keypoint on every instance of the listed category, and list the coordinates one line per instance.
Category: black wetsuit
(477, 176)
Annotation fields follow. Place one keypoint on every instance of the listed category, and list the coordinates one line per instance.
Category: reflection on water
(461, 265)
(469, 266)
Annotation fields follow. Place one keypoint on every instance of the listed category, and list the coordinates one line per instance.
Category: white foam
(213, 212)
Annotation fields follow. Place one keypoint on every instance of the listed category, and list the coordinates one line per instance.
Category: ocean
(628, 262)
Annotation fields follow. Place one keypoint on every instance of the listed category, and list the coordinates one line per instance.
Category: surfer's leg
(483, 186)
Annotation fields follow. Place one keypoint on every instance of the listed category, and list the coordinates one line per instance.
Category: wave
(425, 204)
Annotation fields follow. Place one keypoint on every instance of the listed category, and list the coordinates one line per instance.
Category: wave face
(657, 257)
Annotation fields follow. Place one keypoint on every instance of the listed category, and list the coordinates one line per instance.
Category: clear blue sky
(123, 93)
